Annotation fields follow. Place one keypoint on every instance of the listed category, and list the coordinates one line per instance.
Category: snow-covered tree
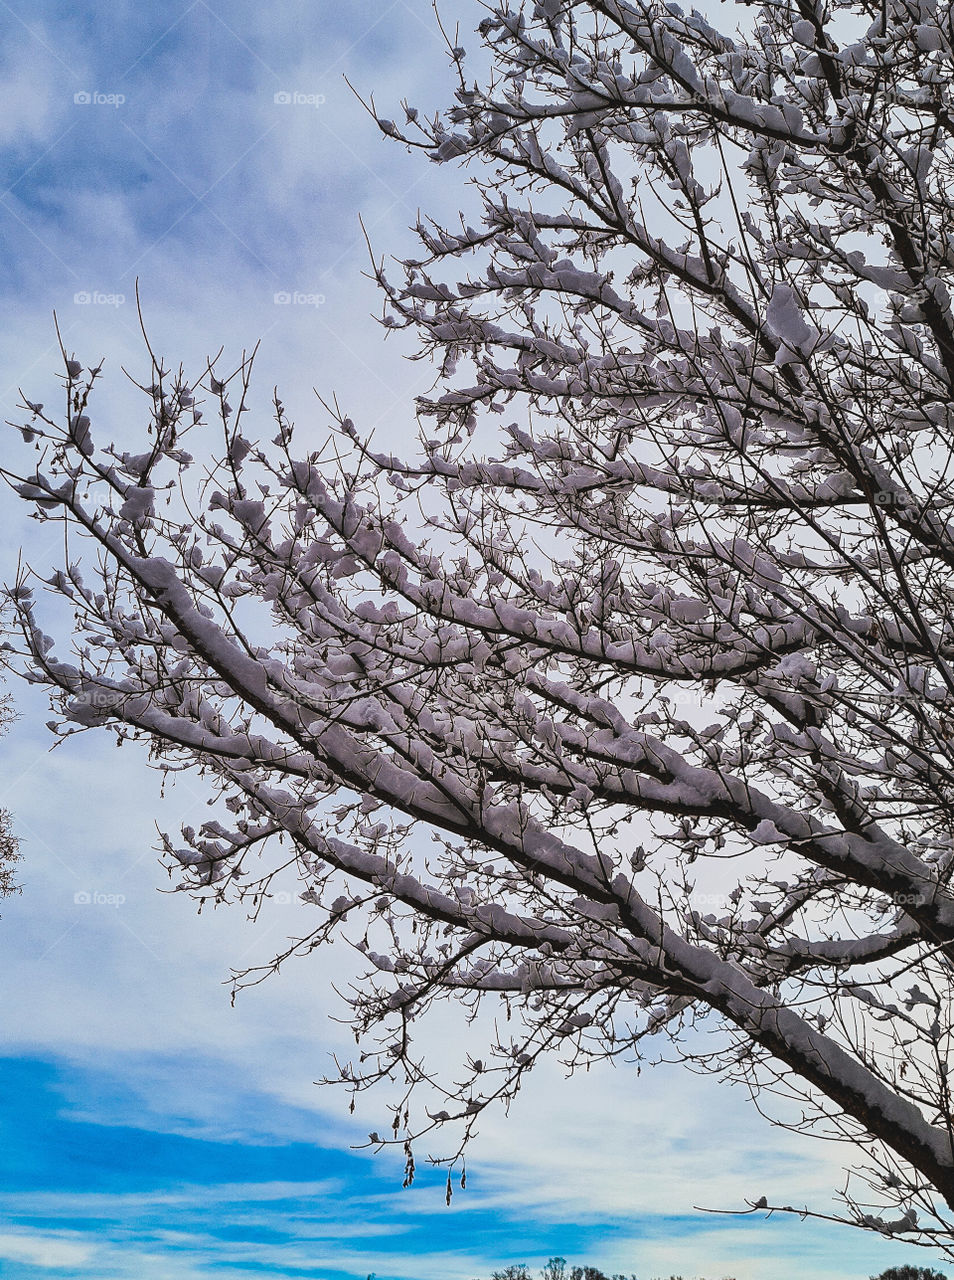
(638, 711)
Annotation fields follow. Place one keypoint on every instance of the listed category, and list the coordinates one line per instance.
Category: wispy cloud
(190, 1187)
(49, 1251)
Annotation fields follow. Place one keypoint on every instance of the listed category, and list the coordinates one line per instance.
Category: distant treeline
(908, 1272)
(559, 1269)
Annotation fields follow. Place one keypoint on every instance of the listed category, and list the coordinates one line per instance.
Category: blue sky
(149, 1130)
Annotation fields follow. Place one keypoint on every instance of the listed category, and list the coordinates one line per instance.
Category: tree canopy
(557, 1269)
(909, 1272)
(624, 701)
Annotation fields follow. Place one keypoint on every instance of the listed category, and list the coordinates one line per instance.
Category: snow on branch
(627, 699)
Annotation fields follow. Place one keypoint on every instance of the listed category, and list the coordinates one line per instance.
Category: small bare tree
(9, 844)
(681, 638)
(9, 855)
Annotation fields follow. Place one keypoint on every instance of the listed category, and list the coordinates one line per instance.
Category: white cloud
(44, 1250)
(36, 88)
